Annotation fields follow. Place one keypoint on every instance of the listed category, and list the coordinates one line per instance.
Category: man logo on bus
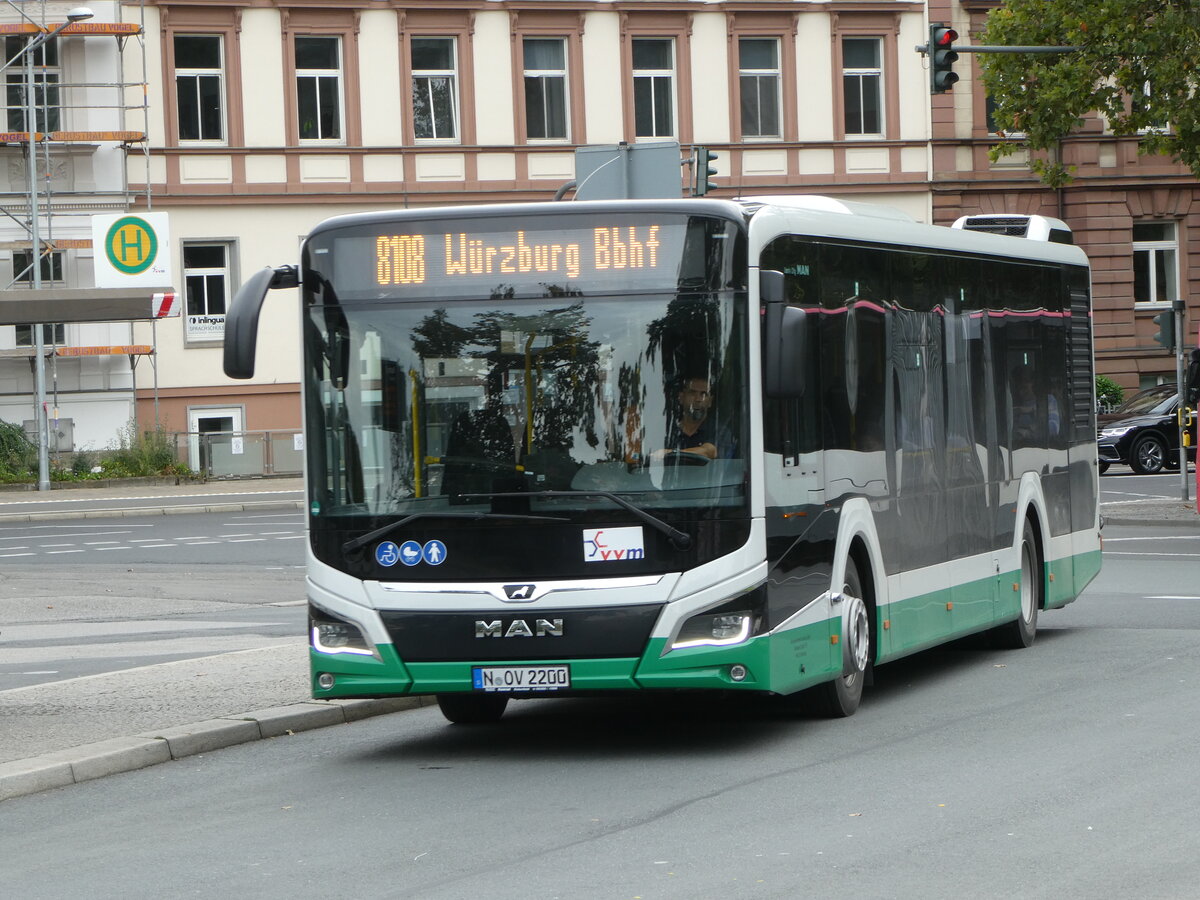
(613, 544)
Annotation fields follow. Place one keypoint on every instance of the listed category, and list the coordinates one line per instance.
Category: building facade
(264, 117)
(267, 118)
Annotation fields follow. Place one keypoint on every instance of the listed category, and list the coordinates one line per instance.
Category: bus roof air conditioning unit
(1036, 228)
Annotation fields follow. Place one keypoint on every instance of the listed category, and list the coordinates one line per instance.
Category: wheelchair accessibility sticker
(387, 554)
(410, 553)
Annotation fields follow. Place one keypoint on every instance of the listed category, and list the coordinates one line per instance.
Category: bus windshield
(423, 403)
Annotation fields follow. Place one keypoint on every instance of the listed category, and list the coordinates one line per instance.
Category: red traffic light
(944, 37)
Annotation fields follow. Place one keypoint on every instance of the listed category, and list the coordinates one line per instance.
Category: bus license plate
(521, 678)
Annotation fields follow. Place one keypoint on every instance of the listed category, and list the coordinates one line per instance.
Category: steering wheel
(683, 458)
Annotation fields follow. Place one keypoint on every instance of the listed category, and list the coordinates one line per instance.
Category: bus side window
(791, 426)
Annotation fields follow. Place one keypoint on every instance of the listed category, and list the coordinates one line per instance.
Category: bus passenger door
(922, 611)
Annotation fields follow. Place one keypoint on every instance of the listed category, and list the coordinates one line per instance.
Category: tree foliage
(1136, 64)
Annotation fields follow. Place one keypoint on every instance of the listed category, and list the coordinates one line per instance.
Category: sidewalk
(137, 496)
(1151, 512)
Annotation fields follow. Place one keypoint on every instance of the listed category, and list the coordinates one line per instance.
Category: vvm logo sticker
(131, 245)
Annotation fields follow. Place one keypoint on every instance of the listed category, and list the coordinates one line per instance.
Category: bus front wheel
(841, 697)
(472, 709)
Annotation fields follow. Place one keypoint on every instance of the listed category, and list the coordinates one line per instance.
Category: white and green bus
(567, 448)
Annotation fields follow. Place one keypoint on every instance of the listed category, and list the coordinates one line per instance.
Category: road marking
(6, 555)
(244, 540)
(192, 542)
(294, 537)
(1171, 597)
(155, 546)
(1151, 553)
(102, 549)
(1170, 537)
(55, 552)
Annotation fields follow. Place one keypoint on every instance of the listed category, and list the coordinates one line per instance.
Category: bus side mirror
(785, 339)
(241, 321)
(1191, 380)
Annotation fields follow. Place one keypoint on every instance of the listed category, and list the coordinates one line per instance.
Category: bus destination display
(412, 258)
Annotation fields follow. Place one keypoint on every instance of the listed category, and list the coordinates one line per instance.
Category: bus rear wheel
(1019, 634)
(472, 709)
(841, 697)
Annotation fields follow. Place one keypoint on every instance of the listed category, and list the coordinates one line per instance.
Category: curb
(78, 764)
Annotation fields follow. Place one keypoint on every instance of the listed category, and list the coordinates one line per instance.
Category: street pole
(35, 241)
(1181, 418)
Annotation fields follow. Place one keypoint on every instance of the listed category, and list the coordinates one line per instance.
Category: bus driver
(693, 431)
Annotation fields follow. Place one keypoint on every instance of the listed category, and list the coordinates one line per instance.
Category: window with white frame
(200, 87)
(46, 78)
(319, 87)
(22, 276)
(545, 61)
(1155, 262)
(862, 86)
(22, 271)
(1159, 123)
(206, 279)
(653, 87)
(435, 88)
(759, 80)
(52, 335)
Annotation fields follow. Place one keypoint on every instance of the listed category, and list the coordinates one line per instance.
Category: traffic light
(942, 58)
(703, 169)
(1165, 335)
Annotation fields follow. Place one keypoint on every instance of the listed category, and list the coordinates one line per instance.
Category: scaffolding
(58, 153)
(72, 123)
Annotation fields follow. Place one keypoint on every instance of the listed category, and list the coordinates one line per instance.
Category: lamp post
(78, 14)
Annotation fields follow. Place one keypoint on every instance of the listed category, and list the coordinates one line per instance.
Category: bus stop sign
(131, 250)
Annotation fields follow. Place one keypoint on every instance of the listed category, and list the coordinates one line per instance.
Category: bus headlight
(730, 623)
(708, 630)
(330, 634)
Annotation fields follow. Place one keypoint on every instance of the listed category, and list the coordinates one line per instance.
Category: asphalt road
(1063, 771)
(268, 538)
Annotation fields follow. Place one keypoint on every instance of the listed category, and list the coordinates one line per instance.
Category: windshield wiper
(680, 540)
(384, 530)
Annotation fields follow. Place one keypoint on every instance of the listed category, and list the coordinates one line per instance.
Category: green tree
(1137, 64)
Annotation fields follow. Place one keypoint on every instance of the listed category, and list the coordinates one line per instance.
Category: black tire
(472, 709)
(841, 697)
(1019, 634)
(1103, 467)
(1149, 455)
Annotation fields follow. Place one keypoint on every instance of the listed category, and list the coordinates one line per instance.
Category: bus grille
(524, 634)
